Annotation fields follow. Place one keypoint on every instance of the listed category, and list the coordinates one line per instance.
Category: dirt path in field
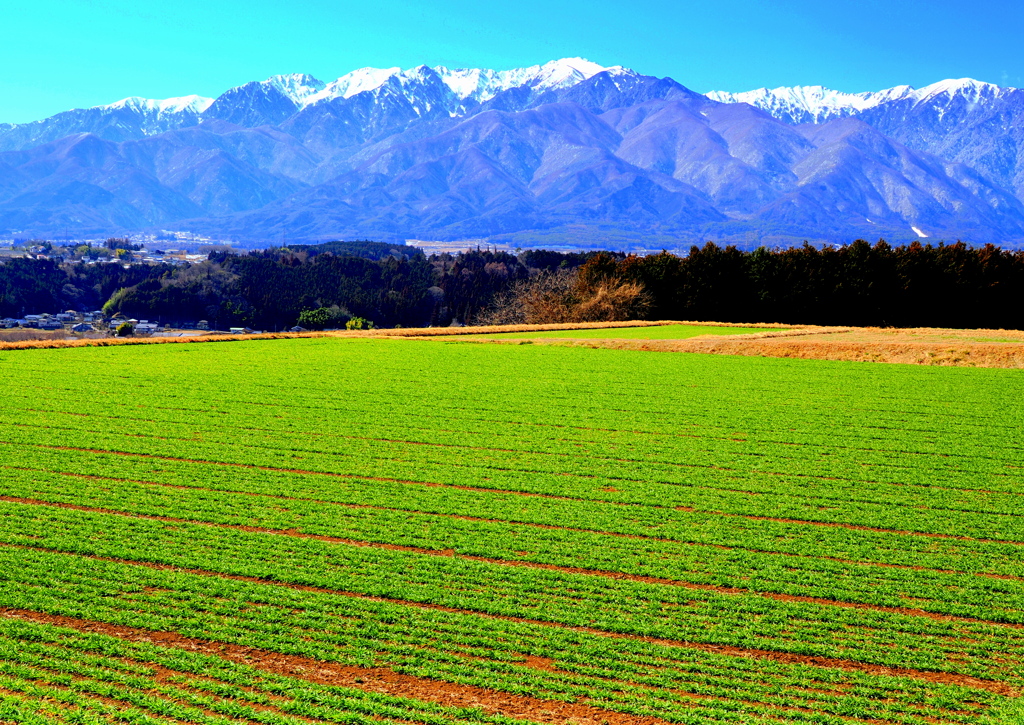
(600, 573)
(773, 655)
(368, 679)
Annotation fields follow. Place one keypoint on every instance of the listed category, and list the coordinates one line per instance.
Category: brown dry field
(33, 339)
(20, 335)
(916, 346)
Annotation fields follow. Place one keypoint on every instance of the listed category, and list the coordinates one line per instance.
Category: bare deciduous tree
(566, 296)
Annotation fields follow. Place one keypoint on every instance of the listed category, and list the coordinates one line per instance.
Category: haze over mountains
(566, 152)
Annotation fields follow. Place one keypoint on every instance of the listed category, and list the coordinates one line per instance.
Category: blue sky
(60, 54)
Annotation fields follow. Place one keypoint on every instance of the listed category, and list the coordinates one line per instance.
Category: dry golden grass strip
(21, 335)
(54, 342)
(916, 346)
(819, 346)
(114, 341)
(497, 329)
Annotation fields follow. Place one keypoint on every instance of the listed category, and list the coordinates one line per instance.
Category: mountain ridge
(564, 150)
(817, 104)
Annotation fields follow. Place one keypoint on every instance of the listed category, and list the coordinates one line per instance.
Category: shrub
(359, 323)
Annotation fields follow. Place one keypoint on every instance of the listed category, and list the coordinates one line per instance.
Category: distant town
(112, 251)
(98, 324)
(87, 322)
(115, 250)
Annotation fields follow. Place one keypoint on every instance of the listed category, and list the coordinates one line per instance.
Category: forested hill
(365, 248)
(856, 284)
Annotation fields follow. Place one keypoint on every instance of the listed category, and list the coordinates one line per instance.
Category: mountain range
(564, 153)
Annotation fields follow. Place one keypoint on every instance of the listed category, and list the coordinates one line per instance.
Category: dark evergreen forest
(857, 284)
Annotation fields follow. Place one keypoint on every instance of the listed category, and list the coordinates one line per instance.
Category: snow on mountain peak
(968, 87)
(479, 84)
(814, 104)
(889, 94)
(193, 103)
(297, 86)
(357, 81)
(469, 82)
(483, 84)
(566, 72)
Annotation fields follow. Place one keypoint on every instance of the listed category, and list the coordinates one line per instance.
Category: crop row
(657, 523)
(562, 598)
(199, 686)
(721, 469)
(977, 452)
(886, 430)
(665, 536)
(941, 592)
(814, 453)
(756, 494)
(625, 675)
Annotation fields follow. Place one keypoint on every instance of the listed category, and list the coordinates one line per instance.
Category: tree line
(916, 285)
(943, 285)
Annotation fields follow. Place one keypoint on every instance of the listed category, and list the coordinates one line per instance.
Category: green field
(382, 530)
(650, 332)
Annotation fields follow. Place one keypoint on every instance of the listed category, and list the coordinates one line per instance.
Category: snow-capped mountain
(810, 104)
(949, 92)
(483, 85)
(129, 118)
(817, 104)
(567, 147)
(477, 84)
(299, 87)
(977, 124)
(960, 120)
(168, 106)
(277, 98)
(266, 102)
(348, 85)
